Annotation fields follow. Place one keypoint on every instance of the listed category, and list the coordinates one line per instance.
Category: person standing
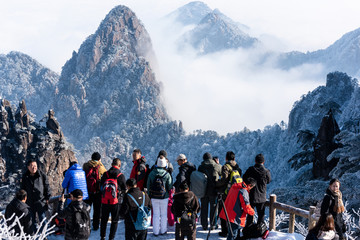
(129, 210)
(21, 210)
(223, 182)
(237, 205)
(185, 170)
(76, 215)
(258, 193)
(37, 187)
(139, 170)
(75, 178)
(185, 200)
(113, 186)
(94, 169)
(212, 171)
(333, 204)
(158, 185)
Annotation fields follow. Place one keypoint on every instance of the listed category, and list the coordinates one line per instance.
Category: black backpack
(157, 188)
(188, 217)
(254, 230)
(81, 223)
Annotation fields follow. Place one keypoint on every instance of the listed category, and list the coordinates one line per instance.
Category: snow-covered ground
(201, 234)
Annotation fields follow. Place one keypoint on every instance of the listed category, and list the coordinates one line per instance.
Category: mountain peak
(191, 13)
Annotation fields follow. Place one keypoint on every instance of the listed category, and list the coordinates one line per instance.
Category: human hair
(250, 182)
(334, 180)
(329, 223)
(30, 161)
(96, 156)
(77, 193)
(21, 194)
(137, 150)
(131, 182)
(230, 155)
(183, 186)
(259, 159)
(116, 162)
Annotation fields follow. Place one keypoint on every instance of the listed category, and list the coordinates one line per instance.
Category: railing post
(312, 221)
(292, 223)
(272, 212)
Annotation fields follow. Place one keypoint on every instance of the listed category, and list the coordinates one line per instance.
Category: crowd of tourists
(218, 196)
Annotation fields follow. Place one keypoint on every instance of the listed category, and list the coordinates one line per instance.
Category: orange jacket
(237, 204)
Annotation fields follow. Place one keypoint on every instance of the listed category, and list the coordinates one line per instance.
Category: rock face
(23, 139)
(324, 145)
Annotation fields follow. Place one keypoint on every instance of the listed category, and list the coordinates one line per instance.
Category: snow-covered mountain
(191, 13)
(22, 77)
(343, 55)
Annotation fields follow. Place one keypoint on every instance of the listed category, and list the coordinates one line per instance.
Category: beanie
(259, 158)
(207, 156)
(162, 153)
(96, 156)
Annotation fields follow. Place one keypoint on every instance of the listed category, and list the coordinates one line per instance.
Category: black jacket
(129, 207)
(182, 198)
(68, 214)
(212, 170)
(37, 188)
(185, 171)
(262, 177)
(113, 173)
(19, 208)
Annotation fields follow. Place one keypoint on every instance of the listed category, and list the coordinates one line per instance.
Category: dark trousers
(223, 222)
(95, 200)
(189, 233)
(132, 234)
(106, 209)
(260, 209)
(205, 201)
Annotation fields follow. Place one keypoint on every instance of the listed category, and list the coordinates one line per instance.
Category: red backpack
(93, 179)
(110, 190)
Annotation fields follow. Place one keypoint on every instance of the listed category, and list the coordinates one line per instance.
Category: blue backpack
(143, 218)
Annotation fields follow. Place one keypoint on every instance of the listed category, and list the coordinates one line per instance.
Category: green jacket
(167, 179)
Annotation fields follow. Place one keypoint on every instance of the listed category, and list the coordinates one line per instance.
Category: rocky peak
(191, 13)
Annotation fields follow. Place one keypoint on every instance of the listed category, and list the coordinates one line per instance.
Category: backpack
(157, 189)
(81, 224)
(198, 183)
(110, 191)
(93, 179)
(234, 178)
(254, 230)
(143, 217)
(188, 217)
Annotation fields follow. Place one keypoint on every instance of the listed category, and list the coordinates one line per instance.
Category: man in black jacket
(185, 170)
(18, 207)
(129, 207)
(258, 193)
(112, 207)
(36, 184)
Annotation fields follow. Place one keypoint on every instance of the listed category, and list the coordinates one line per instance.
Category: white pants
(159, 207)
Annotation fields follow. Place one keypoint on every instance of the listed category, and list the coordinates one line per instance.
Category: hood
(159, 171)
(189, 165)
(93, 163)
(239, 185)
(76, 166)
(184, 196)
(259, 168)
(17, 204)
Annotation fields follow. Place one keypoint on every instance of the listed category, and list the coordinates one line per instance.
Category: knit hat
(181, 156)
(77, 193)
(96, 156)
(162, 153)
(207, 156)
(259, 158)
(161, 162)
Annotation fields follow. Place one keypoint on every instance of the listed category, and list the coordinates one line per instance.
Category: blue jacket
(75, 179)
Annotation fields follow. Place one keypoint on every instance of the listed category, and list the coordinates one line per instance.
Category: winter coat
(138, 172)
(19, 208)
(91, 164)
(37, 188)
(182, 198)
(213, 171)
(128, 206)
(166, 179)
(311, 236)
(185, 171)
(113, 173)
(226, 170)
(237, 204)
(327, 206)
(75, 178)
(262, 177)
(326, 235)
(68, 215)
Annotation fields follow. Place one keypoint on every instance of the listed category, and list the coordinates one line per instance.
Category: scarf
(339, 205)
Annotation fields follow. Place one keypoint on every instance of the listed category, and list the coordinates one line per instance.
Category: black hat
(207, 156)
(162, 153)
(77, 193)
(259, 158)
(96, 156)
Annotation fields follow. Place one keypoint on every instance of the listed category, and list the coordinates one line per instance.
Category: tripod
(218, 202)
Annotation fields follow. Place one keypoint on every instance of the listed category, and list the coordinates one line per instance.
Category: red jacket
(237, 204)
(139, 172)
